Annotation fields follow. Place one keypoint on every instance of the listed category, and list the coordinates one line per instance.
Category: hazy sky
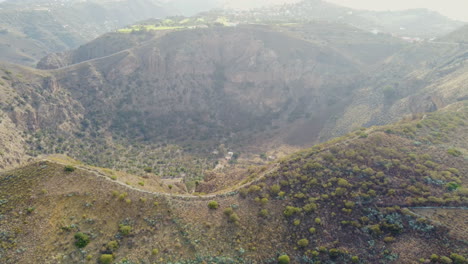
(456, 9)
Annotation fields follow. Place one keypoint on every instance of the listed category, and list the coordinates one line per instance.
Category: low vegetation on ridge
(300, 133)
(349, 200)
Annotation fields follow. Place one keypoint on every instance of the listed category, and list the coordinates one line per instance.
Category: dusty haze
(455, 9)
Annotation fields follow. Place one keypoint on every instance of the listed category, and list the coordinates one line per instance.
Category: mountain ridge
(29, 31)
(318, 67)
(275, 202)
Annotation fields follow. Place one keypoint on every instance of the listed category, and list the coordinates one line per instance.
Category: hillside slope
(420, 78)
(422, 23)
(348, 201)
(362, 47)
(31, 30)
(248, 89)
(459, 36)
(102, 46)
(30, 100)
(172, 94)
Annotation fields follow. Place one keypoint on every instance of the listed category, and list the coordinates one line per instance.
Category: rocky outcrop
(211, 83)
(32, 102)
(12, 144)
(418, 84)
(426, 104)
(54, 61)
(236, 85)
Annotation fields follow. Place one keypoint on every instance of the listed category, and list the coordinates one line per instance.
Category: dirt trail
(224, 193)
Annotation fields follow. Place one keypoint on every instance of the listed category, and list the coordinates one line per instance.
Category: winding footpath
(224, 193)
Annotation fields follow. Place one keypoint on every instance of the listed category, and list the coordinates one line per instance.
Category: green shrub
(291, 210)
(81, 240)
(318, 221)
(345, 210)
(434, 257)
(355, 259)
(122, 196)
(275, 189)
(228, 211)
(372, 193)
(457, 259)
(312, 230)
(452, 186)
(243, 192)
(333, 252)
(234, 218)
(283, 259)
(369, 171)
(340, 191)
(69, 168)
(375, 229)
(445, 260)
(454, 171)
(343, 183)
(303, 242)
(30, 210)
(106, 259)
(213, 205)
(430, 164)
(299, 195)
(311, 207)
(454, 152)
(253, 189)
(264, 213)
(125, 230)
(113, 245)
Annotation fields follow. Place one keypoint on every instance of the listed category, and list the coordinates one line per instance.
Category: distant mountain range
(30, 29)
(186, 140)
(291, 84)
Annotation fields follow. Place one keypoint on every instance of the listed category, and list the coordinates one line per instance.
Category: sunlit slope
(346, 200)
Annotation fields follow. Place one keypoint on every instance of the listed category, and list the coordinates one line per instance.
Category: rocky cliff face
(31, 101)
(211, 83)
(245, 85)
(28, 30)
(422, 78)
